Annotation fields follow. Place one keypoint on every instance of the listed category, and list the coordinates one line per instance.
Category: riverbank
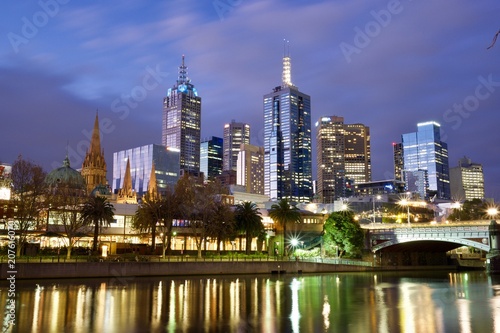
(136, 269)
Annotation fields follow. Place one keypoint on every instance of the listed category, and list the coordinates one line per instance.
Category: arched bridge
(428, 237)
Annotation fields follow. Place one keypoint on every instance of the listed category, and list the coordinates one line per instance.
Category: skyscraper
(250, 169)
(182, 121)
(343, 157)
(467, 180)
(397, 149)
(211, 157)
(287, 141)
(424, 151)
(235, 134)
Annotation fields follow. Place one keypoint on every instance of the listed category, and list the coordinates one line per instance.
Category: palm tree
(249, 221)
(147, 216)
(97, 210)
(282, 213)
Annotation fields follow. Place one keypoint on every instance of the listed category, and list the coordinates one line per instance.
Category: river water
(340, 302)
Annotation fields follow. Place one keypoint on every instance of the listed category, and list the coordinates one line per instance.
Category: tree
(169, 211)
(470, 210)
(343, 235)
(282, 213)
(147, 217)
(249, 221)
(28, 187)
(222, 224)
(66, 204)
(99, 212)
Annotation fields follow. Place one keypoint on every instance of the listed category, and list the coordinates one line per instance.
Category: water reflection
(409, 302)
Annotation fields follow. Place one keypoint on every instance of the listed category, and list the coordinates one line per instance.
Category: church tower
(94, 164)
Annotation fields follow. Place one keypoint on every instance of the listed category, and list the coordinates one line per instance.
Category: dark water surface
(340, 302)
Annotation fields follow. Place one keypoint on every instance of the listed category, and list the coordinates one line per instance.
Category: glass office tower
(165, 160)
(287, 141)
(424, 151)
(181, 126)
(211, 157)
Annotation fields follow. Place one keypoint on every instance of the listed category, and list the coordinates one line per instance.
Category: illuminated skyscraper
(182, 121)
(467, 180)
(397, 149)
(424, 151)
(235, 134)
(287, 141)
(343, 157)
(250, 169)
(211, 157)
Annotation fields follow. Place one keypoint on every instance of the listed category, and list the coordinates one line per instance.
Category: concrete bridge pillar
(493, 257)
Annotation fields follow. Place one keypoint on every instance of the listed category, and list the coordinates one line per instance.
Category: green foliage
(283, 213)
(343, 234)
(248, 221)
(470, 210)
(313, 253)
(99, 212)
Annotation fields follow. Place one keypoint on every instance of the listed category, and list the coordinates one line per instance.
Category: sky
(386, 64)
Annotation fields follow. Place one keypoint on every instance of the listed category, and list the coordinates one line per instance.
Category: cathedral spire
(152, 186)
(286, 77)
(127, 194)
(94, 165)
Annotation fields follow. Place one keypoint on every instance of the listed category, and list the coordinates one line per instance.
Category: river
(338, 302)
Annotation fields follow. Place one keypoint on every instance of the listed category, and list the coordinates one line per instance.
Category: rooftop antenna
(286, 77)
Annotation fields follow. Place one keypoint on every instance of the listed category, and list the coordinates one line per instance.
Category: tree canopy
(342, 235)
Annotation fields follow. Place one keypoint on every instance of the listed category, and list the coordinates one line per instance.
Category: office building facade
(181, 125)
(467, 180)
(235, 134)
(424, 151)
(287, 141)
(211, 157)
(343, 157)
(250, 168)
(141, 160)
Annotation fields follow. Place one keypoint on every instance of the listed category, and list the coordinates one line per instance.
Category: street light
(378, 197)
(405, 202)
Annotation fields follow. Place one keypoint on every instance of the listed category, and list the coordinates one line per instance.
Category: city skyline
(388, 65)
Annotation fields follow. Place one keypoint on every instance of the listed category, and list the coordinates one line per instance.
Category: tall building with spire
(94, 165)
(287, 141)
(181, 126)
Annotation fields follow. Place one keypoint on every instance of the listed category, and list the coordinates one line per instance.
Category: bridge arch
(459, 241)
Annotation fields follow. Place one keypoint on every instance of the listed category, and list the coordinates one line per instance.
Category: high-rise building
(358, 163)
(235, 134)
(343, 157)
(250, 168)
(397, 149)
(182, 121)
(141, 160)
(424, 151)
(287, 141)
(94, 165)
(467, 180)
(211, 157)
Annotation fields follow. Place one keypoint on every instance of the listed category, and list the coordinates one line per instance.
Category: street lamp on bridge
(405, 202)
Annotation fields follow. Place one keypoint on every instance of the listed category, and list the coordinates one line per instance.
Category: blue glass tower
(287, 141)
(426, 155)
(211, 154)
